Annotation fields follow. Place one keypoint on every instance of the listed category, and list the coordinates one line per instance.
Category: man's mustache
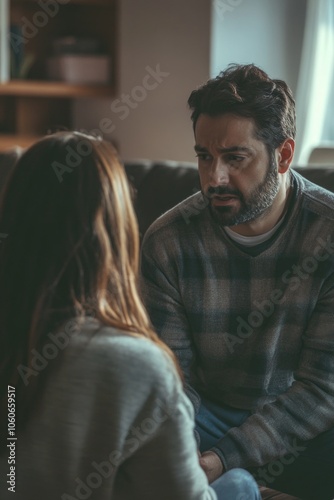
(211, 191)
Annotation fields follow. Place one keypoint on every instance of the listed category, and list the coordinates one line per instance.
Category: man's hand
(211, 464)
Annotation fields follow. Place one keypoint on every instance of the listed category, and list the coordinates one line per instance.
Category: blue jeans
(308, 475)
(236, 484)
(213, 422)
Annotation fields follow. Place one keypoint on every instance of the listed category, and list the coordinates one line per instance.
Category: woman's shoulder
(110, 340)
(100, 348)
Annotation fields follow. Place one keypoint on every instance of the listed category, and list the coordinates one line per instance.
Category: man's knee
(242, 484)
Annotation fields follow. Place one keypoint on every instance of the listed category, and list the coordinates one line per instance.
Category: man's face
(237, 176)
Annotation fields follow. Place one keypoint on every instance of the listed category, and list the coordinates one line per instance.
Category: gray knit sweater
(114, 423)
(253, 331)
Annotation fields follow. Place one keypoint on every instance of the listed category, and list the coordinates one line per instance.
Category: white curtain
(314, 95)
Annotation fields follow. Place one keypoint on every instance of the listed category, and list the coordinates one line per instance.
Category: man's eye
(203, 156)
(235, 158)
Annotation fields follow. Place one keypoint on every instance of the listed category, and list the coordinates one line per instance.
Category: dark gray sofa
(158, 186)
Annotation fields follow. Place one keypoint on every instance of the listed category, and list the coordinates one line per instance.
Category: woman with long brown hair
(92, 404)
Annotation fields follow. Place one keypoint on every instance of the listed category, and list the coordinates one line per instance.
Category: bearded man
(238, 280)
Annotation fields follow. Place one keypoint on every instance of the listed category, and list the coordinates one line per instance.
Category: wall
(268, 33)
(175, 35)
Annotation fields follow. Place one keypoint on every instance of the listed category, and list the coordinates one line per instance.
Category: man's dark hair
(248, 91)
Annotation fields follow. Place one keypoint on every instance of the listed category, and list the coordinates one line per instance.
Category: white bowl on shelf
(80, 69)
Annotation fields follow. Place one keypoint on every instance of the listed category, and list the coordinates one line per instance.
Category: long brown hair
(72, 246)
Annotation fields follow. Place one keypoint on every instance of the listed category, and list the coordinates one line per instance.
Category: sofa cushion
(7, 161)
(159, 186)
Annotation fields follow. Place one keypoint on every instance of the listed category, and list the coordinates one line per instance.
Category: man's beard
(256, 204)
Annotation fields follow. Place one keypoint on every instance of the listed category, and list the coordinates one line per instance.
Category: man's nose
(219, 173)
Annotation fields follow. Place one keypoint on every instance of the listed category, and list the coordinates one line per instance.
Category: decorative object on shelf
(71, 45)
(79, 60)
(21, 61)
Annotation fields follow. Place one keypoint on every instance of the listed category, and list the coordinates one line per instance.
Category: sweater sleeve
(301, 413)
(164, 304)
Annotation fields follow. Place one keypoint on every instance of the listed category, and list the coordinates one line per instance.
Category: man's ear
(285, 155)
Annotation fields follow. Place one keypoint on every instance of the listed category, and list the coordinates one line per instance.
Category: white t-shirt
(252, 241)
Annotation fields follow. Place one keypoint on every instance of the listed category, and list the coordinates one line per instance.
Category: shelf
(78, 2)
(10, 141)
(54, 89)
(32, 107)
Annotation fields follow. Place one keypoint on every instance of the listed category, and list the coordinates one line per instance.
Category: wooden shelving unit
(10, 141)
(35, 88)
(34, 106)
